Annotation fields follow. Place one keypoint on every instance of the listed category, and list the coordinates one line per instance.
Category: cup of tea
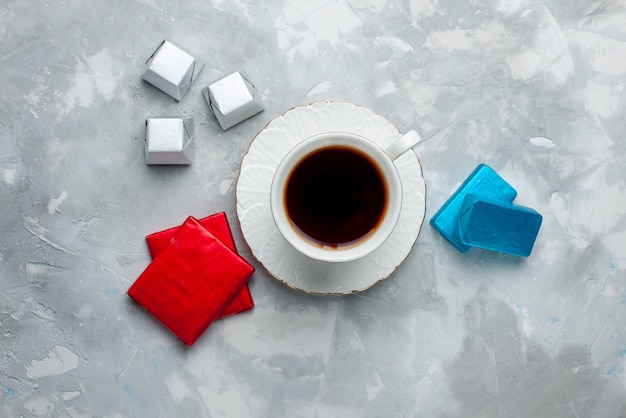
(337, 196)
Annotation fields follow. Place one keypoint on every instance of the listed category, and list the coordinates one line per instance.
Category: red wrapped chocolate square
(217, 225)
(190, 281)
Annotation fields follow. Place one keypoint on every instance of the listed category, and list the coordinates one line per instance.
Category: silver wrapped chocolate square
(169, 140)
(232, 99)
(171, 70)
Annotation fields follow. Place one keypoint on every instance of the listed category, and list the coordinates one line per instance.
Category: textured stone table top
(537, 90)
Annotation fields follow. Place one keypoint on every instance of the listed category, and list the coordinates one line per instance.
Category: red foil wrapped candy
(190, 281)
(217, 225)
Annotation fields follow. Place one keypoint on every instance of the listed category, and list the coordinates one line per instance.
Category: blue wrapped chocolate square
(483, 181)
(498, 225)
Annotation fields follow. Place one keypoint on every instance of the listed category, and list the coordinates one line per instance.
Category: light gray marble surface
(535, 89)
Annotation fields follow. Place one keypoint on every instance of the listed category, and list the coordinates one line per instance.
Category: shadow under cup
(336, 197)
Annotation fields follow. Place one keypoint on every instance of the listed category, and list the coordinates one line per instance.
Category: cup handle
(403, 144)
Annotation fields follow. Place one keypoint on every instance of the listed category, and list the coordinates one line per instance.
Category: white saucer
(253, 200)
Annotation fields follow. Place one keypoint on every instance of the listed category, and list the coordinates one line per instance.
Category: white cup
(381, 159)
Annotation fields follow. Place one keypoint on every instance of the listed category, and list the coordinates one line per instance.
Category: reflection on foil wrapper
(171, 70)
(232, 99)
(169, 140)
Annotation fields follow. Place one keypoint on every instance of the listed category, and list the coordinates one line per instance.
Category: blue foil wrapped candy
(483, 181)
(498, 226)
(481, 213)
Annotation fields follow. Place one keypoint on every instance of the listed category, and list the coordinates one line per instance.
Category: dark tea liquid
(335, 196)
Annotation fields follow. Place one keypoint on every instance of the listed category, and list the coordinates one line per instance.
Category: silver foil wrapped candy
(171, 70)
(232, 99)
(169, 140)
